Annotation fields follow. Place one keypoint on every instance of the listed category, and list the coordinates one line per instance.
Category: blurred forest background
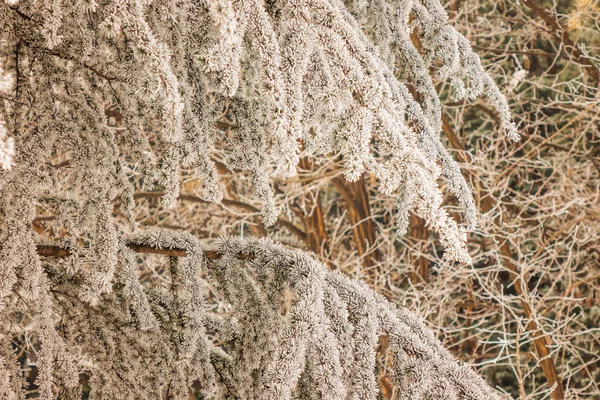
(527, 312)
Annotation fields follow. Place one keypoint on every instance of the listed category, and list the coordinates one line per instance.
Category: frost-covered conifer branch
(290, 79)
(294, 328)
(353, 102)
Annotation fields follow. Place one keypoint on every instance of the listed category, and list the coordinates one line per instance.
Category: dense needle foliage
(119, 117)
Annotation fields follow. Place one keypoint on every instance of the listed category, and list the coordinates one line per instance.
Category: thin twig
(560, 33)
(520, 281)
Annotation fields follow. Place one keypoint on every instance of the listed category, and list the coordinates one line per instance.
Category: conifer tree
(104, 102)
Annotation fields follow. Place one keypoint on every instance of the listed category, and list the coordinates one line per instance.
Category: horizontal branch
(227, 203)
(53, 251)
(139, 248)
(61, 252)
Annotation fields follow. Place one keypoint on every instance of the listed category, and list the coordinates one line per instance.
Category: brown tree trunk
(418, 233)
(314, 225)
(356, 201)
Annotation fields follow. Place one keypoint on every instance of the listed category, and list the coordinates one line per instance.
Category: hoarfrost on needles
(309, 78)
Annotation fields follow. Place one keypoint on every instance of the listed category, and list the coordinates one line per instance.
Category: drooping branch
(412, 346)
